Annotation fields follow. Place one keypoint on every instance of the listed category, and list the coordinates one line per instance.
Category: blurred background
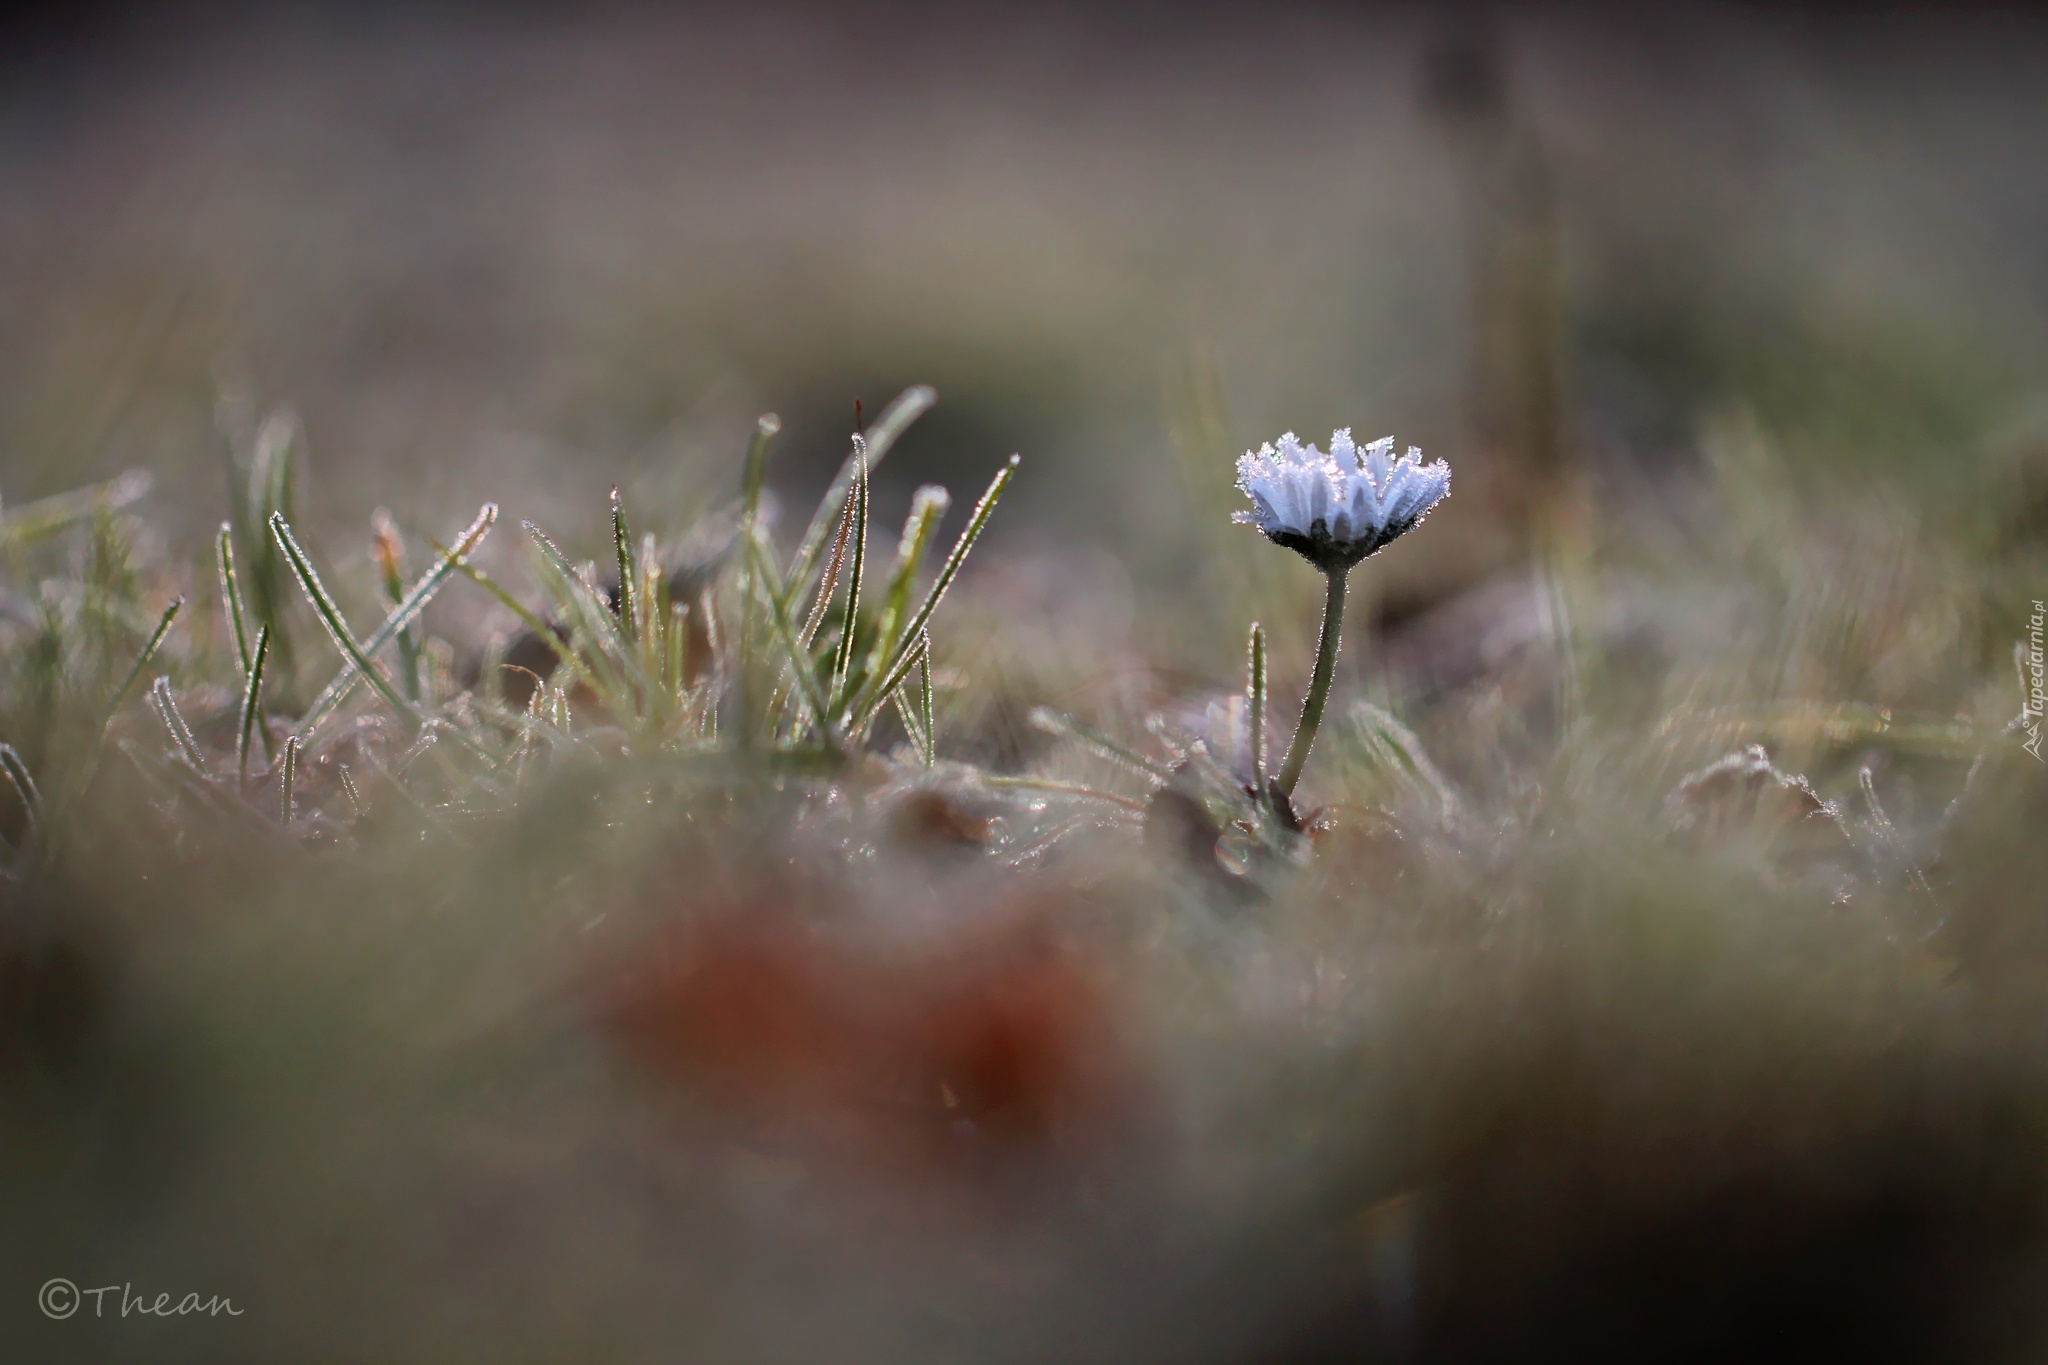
(524, 251)
(1733, 322)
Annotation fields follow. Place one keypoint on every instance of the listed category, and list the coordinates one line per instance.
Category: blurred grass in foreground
(760, 968)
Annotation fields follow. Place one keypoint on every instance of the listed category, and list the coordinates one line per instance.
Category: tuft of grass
(1554, 949)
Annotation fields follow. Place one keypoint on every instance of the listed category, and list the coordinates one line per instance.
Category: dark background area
(524, 251)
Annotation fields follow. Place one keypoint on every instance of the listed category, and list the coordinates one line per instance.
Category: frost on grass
(728, 941)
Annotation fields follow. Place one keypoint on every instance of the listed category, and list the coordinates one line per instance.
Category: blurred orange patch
(996, 1049)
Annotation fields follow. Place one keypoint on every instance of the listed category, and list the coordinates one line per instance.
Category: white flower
(1336, 509)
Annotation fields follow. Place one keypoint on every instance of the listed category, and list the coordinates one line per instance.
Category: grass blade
(1394, 750)
(589, 616)
(252, 699)
(756, 468)
(400, 617)
(48, 516)
(831, 578)
(335, 624)
(754, 474)
(924, 704)
(1256, 696)
(906, 408)
(675, 645)
(231, 593)
(348, 786)
(389, 552)
(879, 696)
(799, 657)
(927, 509)
(1046, 784)
(1053, 723)
(1895, 844)
(142, 661)
(289, 781)
(907, 713)
(24, 785)
(951, 569)
(539, 628)
(622, 546)
(167, 710)
(79, 782)
(842, 658)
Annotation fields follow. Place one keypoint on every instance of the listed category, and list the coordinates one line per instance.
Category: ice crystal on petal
(1336, 509)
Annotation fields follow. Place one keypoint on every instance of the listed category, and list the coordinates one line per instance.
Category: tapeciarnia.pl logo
(2037, 697)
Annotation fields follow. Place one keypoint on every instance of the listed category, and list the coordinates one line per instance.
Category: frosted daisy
(1333, 510)
(1336, 509)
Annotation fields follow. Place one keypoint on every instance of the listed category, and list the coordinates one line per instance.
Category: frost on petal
(1336, 509)
(1376, 461)
(1364, 506)
(1420, 488)
(1343, 450)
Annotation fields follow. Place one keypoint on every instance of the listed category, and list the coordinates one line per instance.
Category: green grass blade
(806, 686)
(289, 781)
(1255, 697)
(79, 782)
(950, 570)
(830, 581)
(622, 546)
(756, 468)
(389, 552)
(532, 620)
(348, 786)
(649, 620)
(925, 710)
(166, 706)
(270, 472)
(927, 509)
(336, 625)
(752, 478)
(252, 700)
(46, 517)
(879, 696)
(675, 646)
(1053, 723)
(907, 713)
(142, 661)
(1045, 784)
(24, 785)
(589, 617)
(399, 618)
(1396, 752)
(907, 407)
(842, 658)
(231, 594)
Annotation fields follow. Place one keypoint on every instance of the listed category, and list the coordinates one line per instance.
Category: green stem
(1318, 685)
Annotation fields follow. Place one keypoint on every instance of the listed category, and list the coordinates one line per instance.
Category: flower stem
(1318, 685)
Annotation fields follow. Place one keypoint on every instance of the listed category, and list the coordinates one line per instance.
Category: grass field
(717, 921)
